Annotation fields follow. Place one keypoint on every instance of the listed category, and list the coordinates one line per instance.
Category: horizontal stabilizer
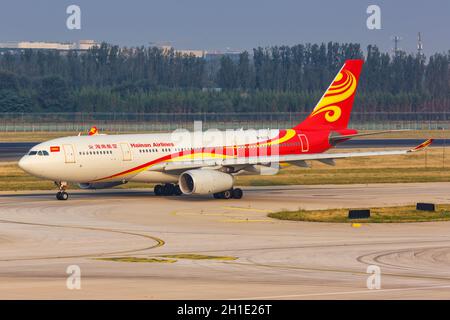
(336, 137)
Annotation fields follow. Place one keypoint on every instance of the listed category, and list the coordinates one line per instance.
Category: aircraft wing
(239, 163)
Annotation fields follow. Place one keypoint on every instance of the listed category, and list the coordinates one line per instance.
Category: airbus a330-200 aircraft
(98, 161)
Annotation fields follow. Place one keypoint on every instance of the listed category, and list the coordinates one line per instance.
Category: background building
(81, 45)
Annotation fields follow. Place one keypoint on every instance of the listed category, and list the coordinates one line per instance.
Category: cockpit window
(39, 153)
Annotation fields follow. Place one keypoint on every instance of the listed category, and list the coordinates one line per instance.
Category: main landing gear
(168, 189)
(229, 194)
(62, 194)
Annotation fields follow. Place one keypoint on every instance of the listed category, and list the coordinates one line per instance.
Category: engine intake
(205, 181)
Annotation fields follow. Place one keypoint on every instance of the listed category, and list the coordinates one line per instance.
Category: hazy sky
(236, 24)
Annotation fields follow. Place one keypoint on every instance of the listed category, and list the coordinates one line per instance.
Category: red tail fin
(334, 108)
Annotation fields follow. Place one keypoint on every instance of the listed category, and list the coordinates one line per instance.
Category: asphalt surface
(41, 237)
(12, 151)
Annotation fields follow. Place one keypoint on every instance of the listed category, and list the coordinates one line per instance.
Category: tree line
(279, 78)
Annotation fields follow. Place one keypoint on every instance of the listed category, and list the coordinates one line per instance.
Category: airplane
(178, 166)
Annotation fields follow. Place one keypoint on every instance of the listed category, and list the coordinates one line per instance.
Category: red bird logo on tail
(334, 108)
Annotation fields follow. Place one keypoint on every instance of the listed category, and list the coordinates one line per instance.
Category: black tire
(237, 193)
(62, 196)
(168, 189)
(177, 191)
(158, 190)
(227, 194)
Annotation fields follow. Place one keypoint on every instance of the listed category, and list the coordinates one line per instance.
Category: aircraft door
(69, 153)
(304, 141)
(126, 151)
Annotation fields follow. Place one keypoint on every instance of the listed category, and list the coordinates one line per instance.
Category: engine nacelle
(100, 185)
(205, 181)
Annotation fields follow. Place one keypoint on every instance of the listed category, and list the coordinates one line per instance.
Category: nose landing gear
(62, 194)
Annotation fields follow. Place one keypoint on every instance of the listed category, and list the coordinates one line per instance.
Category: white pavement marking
(319, 294)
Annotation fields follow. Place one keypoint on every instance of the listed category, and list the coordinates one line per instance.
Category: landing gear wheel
(177, 191)
(237, 193)
(168, 189)
(227, 194)
(158, 190)
(62, 195)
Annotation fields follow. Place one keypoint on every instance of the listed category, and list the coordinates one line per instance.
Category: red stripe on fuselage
(282, 150)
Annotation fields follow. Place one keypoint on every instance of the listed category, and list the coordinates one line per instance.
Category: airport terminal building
(14, 46)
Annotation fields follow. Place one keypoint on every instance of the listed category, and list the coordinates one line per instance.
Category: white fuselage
(107, 158)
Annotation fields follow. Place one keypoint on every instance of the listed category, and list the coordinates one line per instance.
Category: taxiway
(40, 237)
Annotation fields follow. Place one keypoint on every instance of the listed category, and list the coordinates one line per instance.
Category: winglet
(422, 146)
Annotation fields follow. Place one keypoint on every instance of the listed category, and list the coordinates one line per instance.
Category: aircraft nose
(25, 164)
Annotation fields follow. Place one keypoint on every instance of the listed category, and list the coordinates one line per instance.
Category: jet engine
(101, 185)
(205, 181)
